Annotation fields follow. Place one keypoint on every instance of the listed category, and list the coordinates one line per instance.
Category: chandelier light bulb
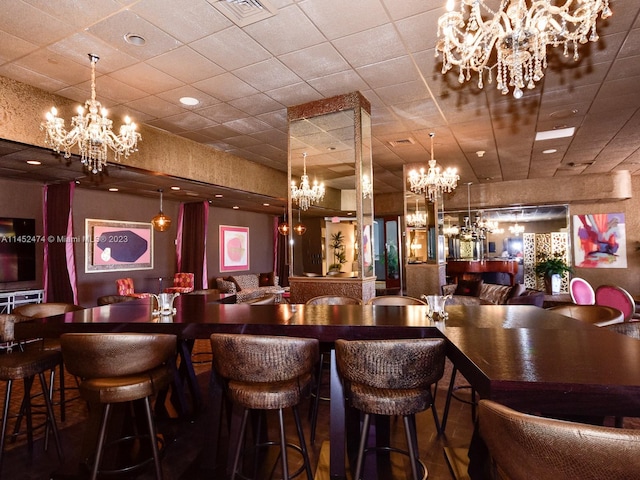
(92, 132)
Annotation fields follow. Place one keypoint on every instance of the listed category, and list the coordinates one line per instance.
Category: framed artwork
(599, 240)
(117, 246)
(234, 248)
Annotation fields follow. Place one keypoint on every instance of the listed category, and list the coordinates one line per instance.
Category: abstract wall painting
(599, 240)
(234, 248)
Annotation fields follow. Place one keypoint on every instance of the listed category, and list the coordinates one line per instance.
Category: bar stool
(117, 368)
(267, 373)
(525, 446)
(24, 364)
(325, 355)
(390, 377)
(49, 309)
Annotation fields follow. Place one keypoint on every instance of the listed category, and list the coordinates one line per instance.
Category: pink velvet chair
(582, 292)
(125, 287)
(616, 297)
(182, 283)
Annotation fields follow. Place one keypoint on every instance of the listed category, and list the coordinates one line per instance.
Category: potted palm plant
(551, 268)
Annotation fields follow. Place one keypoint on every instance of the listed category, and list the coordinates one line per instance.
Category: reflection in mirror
(331, 140)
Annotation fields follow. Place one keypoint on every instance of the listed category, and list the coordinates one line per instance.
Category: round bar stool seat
(391, 377)
(117, 368)
(267, 373)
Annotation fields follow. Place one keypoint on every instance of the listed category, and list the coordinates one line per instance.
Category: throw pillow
(267, 279)
(235, 282)
(470, 288)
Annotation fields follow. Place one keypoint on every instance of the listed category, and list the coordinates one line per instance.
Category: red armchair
(182, 283)
(125, 287)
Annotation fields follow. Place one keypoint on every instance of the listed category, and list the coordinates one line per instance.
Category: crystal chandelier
(92, 132)
(520, 31)
(367, 187)
(433, 183)
(305, 195)
(516, 229)
(417, 219)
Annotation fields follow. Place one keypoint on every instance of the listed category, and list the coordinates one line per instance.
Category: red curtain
(192, 242)
(59, 270)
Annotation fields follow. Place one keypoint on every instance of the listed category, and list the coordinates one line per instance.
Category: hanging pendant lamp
(161, 222)
(283, 227)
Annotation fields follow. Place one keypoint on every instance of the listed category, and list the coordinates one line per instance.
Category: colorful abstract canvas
(599, 240)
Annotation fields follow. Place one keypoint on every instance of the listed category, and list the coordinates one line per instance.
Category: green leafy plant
(339, 255)
(548, 265)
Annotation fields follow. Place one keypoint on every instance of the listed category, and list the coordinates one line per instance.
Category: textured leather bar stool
(267, 373)
(117, 368)
(24, 363)
(325, 355)
(525, 446)
(390, 377)
(49, 309)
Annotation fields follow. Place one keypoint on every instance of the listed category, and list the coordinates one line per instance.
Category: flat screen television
(17, 249)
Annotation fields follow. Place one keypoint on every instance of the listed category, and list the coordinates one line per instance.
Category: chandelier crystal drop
(91, 131)
(433, 183)
(305, 195)
(520, 31)
(417, 219)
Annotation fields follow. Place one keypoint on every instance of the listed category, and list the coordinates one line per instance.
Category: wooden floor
(184, 440)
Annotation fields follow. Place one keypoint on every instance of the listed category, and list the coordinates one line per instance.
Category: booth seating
(488, 292)
(249, 286)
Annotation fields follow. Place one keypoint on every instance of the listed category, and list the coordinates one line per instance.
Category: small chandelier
(417, 219)
(520, 34)
(161, 222)
(516, 229)
(305, 195)
(367, 187)
(433, 183)
(92, 132)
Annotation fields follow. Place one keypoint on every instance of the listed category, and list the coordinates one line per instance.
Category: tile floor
(184, 439)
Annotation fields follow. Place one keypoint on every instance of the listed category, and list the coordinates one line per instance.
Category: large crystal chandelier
(92, 132)
(305, 195)
(516, 229)
(520, 31)
(433, 182)
(417, 219)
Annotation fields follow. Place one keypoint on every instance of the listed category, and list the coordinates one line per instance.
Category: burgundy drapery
(59, 270)
(191, 247)
(280, 248)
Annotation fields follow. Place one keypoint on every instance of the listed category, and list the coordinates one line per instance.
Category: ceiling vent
(401, 142)
(245, 12)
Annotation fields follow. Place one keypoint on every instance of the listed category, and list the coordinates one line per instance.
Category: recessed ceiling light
(235, 207)
(265, 204)
(189, 101)
(175, 187)
(135, 39)
(550, 150)
(480, 153)
(219, 195)
(113, 189)
(552, 134)
(34, 162)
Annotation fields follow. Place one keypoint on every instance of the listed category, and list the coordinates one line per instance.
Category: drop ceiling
(245, 77)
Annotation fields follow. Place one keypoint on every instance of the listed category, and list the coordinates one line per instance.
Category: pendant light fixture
(161, 222)
(283, 227)
(299, 228)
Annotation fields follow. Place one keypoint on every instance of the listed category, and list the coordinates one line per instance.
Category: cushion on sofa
(498, 294)
(225, 286)
(470, 288)
(267, 279)
(245, 282)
